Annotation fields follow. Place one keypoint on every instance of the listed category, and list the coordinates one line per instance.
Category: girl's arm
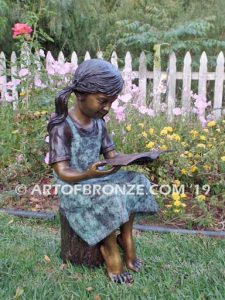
(70, 175)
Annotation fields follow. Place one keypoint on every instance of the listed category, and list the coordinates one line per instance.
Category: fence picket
(61, 58)
(3, 78)
(202, 81)
(99, 54)
(171, 96)
(218, 90)
(87, 56)
(156, 93)
(142, 75)
(74, 59)
(186, 89)
(127, 73)
(114, 59)
(14, 75)
(142, 79)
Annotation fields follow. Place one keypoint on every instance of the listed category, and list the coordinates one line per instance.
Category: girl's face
(95, 105)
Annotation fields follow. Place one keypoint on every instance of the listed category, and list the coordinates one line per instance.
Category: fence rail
(143, 75)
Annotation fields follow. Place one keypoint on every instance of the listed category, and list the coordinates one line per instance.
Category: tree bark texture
(74, 249)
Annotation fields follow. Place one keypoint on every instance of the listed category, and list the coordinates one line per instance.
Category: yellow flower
(200, 145)
(184, 144)
(189, 154)
(175, 196)
(174, 136)
(183, 195)
(144, 134)
(150, 145)
(183, 171)
(193, 169)
(206, 130)
(177, 203)
(218, 130)
(151, 131)
(141, 125)
(183, 205)
(211, 124)
(166, 130)
(223, 121)
(202, 138)
(37, 113)
(163, 147)
(176, 210)
(197, 156)
(194, 133)
(210, 145)
(207, 167)
(201, 197)
(128, 128)
(169, 129)
(22, 94)
(223, 158)
(176, 182)
(163, 132)
(44, 112)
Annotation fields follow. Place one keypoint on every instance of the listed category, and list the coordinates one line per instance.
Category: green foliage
(133, 25)
(22, 137)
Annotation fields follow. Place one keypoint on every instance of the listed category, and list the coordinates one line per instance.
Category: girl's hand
(94, 172)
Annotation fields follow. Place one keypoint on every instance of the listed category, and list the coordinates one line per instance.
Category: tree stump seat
(74, 249)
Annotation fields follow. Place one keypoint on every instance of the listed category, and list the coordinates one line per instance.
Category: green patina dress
(94, 215)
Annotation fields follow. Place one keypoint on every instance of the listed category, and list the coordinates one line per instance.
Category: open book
(136, 158)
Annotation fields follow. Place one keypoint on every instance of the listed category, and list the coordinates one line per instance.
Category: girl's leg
(115, 268)
(125, 240)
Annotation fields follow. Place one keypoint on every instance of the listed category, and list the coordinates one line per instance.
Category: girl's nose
(107, 107)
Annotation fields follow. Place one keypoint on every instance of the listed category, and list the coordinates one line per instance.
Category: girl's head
(94, 76)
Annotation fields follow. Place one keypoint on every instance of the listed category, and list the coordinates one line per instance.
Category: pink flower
(177, 111)
(8, 98)
(9, 85)
(21, 29)
(23, 72)
(150, 112)
(202, 121)
(120, 115)
(125, 98)
(115, 104)
(38, 82)
(47, 158)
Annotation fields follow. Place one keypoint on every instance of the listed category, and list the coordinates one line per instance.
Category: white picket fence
(143, 75)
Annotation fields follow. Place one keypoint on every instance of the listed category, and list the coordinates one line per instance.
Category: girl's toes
(122, 278)
(138, 264)
(135, 265)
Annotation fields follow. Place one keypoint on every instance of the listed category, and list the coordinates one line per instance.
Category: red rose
(21, 29)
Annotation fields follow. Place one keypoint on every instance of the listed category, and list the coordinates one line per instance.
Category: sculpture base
(74, 249)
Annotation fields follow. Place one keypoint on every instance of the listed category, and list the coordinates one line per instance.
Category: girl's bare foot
(132, 262)
(115, 269)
